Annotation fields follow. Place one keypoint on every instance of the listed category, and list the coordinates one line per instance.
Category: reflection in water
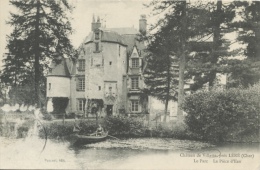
(97, 156)
(147, 153)
(27, 153)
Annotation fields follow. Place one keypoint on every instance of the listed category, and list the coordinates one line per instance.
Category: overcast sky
(114, 13)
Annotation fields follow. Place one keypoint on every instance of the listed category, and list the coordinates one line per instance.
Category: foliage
(248, 34)
(23, 129)
(88, 127)
(164, 45)
(58, 130)
(124, 126)
(23, 94)
(38, 24)
(55, 130)
(47, 116)
(130, 127)
(182, 48)
(219, 115)
(176, 129)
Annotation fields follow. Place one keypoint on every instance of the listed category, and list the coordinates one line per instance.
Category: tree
(211, 52)
(174, 30)
(160, 76)
(38, 25)
(249, 34)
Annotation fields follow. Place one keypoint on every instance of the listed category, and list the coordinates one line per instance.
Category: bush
(55, 130)
(47, 116)
(88, 127)
(125, 126)
(58, 130)
(23, 129)
(219, 116)
(70, 115)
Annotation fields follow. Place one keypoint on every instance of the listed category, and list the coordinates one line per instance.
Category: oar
(113, 137)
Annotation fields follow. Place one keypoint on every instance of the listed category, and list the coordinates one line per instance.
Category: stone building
(107, 76)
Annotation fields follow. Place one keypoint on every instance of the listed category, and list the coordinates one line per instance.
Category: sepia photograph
(130, 84)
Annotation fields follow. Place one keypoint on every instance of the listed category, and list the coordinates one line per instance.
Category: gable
(135, 53)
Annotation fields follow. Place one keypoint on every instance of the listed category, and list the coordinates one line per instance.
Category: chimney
(95, 25)
(142, 24)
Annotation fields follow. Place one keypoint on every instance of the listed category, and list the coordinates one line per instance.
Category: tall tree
(249, 34)
(212, 51)
(173, 32)
(41, 25)
(183, 53)
(160, 75)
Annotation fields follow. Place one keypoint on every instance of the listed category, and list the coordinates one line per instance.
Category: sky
(113, 13)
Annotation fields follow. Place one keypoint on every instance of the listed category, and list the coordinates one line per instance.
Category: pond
(148, 153)
(31, 152)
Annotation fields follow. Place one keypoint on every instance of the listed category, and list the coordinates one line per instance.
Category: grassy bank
(125, 127)
(120, 127)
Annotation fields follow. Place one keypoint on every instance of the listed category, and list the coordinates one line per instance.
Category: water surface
(147, 153)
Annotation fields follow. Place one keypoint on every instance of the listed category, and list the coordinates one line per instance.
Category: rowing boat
(88, 139)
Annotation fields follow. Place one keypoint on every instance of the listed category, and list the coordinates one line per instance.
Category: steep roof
(125, 36)
(106, 36)
(63, 68)
(125, 31)
(131, 41)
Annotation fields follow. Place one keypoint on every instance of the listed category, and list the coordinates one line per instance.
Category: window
(135, 83)
(81, 84)
(97, 35)
(49, 86)
(81, 104)
(119, 50)
(97, 46)
(99, 88)
(135, 62)
(135, 105)
(110, 63)
(50, 70)
(81, 65)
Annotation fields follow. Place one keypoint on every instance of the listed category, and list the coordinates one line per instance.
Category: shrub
(125, 126)
(47, 116)
(55, 130)
(23, 129)
(223, 115)
(87, 127)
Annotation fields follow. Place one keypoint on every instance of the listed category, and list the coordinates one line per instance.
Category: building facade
(107, 76)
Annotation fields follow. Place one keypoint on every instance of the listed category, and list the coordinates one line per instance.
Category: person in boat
(99, 131)
(76, 127)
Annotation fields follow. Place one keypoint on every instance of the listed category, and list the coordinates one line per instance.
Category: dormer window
(135, 62)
